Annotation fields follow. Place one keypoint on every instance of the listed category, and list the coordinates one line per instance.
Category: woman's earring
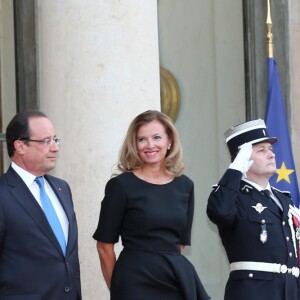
(169, 146)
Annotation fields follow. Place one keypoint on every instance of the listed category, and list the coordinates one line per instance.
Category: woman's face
(152, 143)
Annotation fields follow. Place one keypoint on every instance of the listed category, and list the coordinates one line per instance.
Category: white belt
(265, 267)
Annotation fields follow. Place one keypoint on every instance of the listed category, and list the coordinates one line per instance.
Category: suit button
(250, 275)
(283, 223)
(66, 261)
(290, 254)
(67, 289)
(287, 238)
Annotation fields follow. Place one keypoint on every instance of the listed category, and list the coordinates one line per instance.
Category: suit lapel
(283, 200)
(258, 197)
(24, 197)
(275, 209)
(64, 196)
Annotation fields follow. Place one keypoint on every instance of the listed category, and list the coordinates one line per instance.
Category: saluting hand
(242, 161)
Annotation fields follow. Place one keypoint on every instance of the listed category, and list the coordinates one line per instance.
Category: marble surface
(98, 69)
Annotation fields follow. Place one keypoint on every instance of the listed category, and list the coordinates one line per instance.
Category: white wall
(98, 69)
(201, 43)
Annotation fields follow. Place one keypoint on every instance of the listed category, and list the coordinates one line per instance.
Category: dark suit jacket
(233, 207)
(32, 265)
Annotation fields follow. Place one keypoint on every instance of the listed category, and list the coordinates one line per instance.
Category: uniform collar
(258, 187)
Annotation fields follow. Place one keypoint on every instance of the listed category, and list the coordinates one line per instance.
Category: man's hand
(242, 161)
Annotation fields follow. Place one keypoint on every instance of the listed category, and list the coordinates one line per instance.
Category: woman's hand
(181, 248)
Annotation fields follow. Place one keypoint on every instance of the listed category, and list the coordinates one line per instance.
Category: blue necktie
(51, 214)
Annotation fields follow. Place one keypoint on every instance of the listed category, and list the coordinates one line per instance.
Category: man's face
(36, 157)
(264, 163)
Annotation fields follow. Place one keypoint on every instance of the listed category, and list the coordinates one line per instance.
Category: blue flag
(285, 178)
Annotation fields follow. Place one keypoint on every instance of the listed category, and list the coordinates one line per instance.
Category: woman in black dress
(150, 205)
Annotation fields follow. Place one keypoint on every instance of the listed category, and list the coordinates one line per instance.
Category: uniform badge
(298, 233)
(264, 234)
(259, 208)
(293, 215)
(296, 224)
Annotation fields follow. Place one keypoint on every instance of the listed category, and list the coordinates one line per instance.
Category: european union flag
(285, 177)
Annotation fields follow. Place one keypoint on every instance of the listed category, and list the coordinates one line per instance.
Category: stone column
(98, 68)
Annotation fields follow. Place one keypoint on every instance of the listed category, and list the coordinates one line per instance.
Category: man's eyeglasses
(46, 142)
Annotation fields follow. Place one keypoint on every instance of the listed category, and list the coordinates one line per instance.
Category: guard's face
(152, 142)
(264, 163)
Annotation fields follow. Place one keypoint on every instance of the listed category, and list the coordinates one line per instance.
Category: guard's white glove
(242, 161)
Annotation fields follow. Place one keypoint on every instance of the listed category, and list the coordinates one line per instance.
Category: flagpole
(269, 33)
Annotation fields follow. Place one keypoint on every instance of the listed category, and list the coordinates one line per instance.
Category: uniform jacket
(233, 206)
(32, 265)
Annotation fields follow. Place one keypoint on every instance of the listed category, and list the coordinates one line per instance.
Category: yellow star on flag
(283, 173)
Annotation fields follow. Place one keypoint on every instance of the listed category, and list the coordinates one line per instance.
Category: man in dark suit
(258, 225)
(38, 251)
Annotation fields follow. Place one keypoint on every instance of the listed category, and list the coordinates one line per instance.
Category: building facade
(93, 65)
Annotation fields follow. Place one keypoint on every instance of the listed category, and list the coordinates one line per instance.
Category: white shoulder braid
(280, 191)
(294, 211)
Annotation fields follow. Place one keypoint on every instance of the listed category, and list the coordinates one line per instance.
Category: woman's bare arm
(107, 260)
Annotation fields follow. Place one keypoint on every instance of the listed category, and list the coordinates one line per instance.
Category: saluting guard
(258, 224)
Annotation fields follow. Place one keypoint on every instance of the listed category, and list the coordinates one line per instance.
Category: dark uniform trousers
(251, 230)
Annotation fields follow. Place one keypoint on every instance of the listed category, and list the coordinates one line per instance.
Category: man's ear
(19, 147)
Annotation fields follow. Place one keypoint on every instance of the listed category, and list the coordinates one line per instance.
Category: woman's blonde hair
(129, 159)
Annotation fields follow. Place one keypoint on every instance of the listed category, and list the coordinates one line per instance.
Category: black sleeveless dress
(152, 220)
